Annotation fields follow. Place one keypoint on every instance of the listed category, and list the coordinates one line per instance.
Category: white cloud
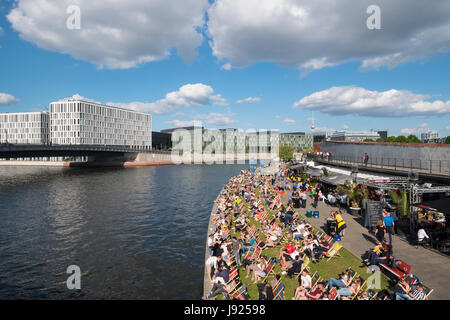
(218, 100)
(7, 99)
(289, 121)
(79, 97)
(447, 127)
(217, 119)
(189, 95)
(311, 34)
(226, 66)
(249, 99)
(362, 102)
(345, 127)
(277, 116)
(113, 34)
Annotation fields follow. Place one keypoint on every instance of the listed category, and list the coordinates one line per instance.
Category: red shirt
(290, 248)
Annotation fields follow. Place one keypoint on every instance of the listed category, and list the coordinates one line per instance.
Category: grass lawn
(325, 269)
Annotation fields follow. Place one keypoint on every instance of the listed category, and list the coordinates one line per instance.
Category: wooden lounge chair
(333, 294)
(278, 291)
(427, 291)
(334, 251)
(363, 283)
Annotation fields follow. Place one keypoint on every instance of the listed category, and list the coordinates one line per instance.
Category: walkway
(438, 171)
(432, 268)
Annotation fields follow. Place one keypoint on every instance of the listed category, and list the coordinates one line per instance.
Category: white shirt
(422, 234)
(306, 281)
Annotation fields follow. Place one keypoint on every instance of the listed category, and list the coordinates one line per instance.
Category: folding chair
(334, 251)
(427, 291)
(241, 294)
(269, 268)
(278, 292)
(333, 294)
(363, 283)
(315, 279)
(305, 265)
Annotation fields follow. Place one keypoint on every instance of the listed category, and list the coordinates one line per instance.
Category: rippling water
(136, 233)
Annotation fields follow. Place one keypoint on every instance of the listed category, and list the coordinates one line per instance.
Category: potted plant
(355, 194)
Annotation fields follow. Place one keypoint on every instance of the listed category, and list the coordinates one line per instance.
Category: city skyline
(395, 87)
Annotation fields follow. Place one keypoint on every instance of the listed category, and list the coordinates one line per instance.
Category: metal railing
(422, 165)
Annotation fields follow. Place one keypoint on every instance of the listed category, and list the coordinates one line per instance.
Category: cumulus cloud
(289, 121)
(7, 99)
(80, 97)
(363, 102)
(113, 34)
(311, 34)
(249, 99)
(218, 100)
(189, 95)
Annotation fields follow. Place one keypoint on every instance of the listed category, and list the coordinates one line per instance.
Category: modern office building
(297, 140)
(24, 128)
(354, 136)
(430, 137)
(74, 121)
(161, 141)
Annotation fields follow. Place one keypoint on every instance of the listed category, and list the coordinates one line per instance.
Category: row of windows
(67, 107)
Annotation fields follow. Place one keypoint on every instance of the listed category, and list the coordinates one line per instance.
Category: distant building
(430, 137)
(383, 134)
(354, 136)
(25, 128)
(161, 141)
(74, 121)
(320, 136)
(297, 140)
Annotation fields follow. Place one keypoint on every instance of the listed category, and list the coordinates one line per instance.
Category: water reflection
(136, 233)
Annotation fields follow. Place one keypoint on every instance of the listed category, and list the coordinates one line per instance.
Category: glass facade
(24, 128)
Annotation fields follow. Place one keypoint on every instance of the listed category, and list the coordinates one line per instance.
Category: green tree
(447, 140)
(355, 194)
(285, 152)
(379, 140)
(400, 198)
(402, 139)
(391, 139)
(368, 140)
(413, 139)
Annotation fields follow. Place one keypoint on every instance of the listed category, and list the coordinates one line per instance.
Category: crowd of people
(257, 212)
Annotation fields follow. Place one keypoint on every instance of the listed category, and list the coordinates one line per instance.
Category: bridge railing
(424, 165)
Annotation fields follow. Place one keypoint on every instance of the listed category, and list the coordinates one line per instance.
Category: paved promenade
(432, 268)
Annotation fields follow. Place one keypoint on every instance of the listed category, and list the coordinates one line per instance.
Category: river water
(135, 233)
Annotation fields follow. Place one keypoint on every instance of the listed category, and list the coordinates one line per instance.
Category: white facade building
(74, 121)
(24, 128)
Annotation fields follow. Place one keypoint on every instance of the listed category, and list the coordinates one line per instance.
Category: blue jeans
(287, 219)
(402, 296)
(335, 283)
(237, 257)
(344, 292)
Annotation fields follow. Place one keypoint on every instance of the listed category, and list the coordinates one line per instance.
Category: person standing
(389, 224)
(236, 250)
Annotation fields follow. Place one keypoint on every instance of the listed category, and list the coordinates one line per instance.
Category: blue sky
(36, 73)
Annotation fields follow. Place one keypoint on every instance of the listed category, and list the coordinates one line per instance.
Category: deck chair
(241, 294)
(319, 235)
(305, 265)
(257, 253)
(315, 279)
(334, 251)
(269, 268)
(353, 273)
(234, 273)
(427, 291)
(363, 283)
(333, 294)
(278, 292)
(232, 286)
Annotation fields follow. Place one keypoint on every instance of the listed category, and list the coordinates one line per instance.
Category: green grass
(326, 269)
